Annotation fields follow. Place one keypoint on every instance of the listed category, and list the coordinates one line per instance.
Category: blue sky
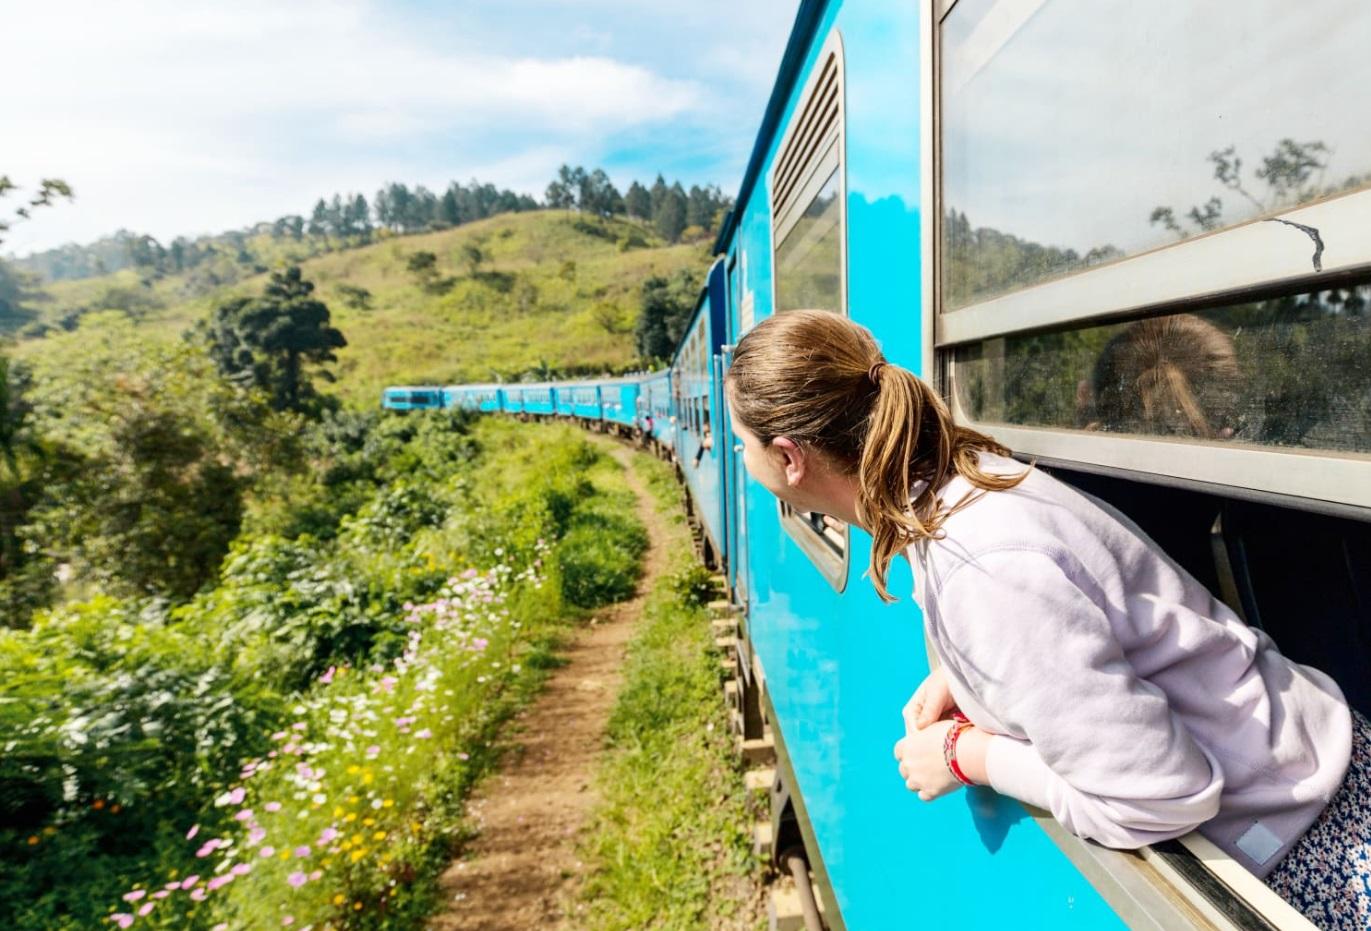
(183, 117)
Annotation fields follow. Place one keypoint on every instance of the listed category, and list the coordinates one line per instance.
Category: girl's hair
(821, 380)
(1167, 375)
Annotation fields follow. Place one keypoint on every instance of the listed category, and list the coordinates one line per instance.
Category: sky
(181, 117)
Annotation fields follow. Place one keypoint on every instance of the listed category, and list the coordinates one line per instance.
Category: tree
(666, 306)
(267, 341)
(597, 194)
(318, 219)
(358, 298)
(449, 211)
(49, 190)
(656, 195)
(670, 218)
(563, 190)
(638, 202)
(472, 256)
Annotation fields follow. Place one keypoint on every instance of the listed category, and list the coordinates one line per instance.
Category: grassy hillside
(551, 286)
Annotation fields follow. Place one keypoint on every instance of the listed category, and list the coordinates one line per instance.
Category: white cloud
(177, 115)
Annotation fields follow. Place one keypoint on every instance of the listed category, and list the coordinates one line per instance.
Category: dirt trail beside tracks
(516, 874)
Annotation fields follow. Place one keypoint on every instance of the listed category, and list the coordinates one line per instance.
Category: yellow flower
(379, 835)
(285, 854)
(357, 838)
(358, 854)
(352, 816)
(356, 906)
(388, 803)
(368, 821)
(337, 811)
(33, 839)
(49, 830)
(354, 769)
(339, 899)
(366, 779)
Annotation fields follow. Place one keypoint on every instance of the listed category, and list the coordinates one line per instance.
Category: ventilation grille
(816, 127)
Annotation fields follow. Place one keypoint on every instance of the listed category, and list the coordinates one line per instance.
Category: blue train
(997, 189)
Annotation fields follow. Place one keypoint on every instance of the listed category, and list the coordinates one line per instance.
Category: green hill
(547, 286)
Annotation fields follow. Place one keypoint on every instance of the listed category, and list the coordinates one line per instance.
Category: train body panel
(654, 398)
(697, 399)
(412, 398)
(620, 401)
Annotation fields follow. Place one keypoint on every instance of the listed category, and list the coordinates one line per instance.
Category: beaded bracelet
(959, 724)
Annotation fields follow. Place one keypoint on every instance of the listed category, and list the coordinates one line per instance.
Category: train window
(807, 188)
(808, 233)
(1039, 178)
(1195, 272)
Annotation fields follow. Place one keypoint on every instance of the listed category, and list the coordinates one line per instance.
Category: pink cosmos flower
(272, 806)
(121, 919)
(316, 875)
(327, 677)
(302, 851)
(256, 836)
(241, 869)
(297, 879)
(146, 909)
(328, 834)
(236, 796)
(267, 852)
(135, 895)
(198, 894)
(480, 643)
(244, 815)
(373, 751)
(159, 894)
(190, 881)
(279, 735)
(192, 832)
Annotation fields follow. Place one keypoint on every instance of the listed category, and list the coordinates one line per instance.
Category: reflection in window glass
(1073, 136)
(809, 259)
(1288, 371)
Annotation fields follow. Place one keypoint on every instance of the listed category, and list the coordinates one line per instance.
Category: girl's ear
(793, 459)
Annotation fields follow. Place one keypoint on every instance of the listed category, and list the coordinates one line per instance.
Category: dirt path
(530, 811)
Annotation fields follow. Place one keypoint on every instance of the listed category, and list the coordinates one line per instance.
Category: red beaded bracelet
(950, 748)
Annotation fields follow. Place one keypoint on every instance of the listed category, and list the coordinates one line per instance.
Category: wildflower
(297, 879)
(244, 815)
(423, 734)
(241, 869)
(135, 895)
(288, 920)
(267, 851)
(256, 836)
(190, 881)
(339, 899)
(272, 806)
(198, 894)
(121, 919)
(327, 835)
(302, 851)
(464, 756)
(327, 677)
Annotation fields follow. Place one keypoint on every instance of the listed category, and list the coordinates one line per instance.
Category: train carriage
(697, 399)
(620, 403)
(539, 399)
(410, 398)
(1170, 311)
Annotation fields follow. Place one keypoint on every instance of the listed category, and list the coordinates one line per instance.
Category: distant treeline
(348, 219)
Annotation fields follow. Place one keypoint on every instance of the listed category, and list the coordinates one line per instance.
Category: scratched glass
(809, 259)
(1078, 132)
(1289, 371)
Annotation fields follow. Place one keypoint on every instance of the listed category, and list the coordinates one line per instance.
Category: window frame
(1155, 887)
(1231, 264)
(827, 157)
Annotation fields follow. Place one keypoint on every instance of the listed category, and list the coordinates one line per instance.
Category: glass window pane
(1287, 371)
(1077, 132)
(809, 259)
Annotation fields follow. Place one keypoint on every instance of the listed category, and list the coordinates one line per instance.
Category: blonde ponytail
(820, 379)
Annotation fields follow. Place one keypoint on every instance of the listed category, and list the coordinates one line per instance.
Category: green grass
(553, 286)
(670, 845)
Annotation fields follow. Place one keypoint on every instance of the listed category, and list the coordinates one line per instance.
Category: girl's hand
(932, 700)
(922, 766)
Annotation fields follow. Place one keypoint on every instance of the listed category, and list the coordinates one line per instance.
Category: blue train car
(698, 404)
(538, 399)
(654, 402)
(954, 175)
(585, 400)
(511, 399)
(407, 398)
(620, 403)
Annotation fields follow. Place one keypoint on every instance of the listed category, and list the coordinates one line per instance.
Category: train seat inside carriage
(1304, 578)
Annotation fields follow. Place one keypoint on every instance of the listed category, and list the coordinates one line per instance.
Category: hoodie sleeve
(1101, 748)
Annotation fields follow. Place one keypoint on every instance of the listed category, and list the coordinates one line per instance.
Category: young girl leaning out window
(1079, 669)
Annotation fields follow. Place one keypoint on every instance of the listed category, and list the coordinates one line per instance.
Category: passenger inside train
(1080, 668)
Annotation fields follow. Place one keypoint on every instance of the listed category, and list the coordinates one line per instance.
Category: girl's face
(785, 469)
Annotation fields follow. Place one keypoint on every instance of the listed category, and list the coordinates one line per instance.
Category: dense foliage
(294, 742)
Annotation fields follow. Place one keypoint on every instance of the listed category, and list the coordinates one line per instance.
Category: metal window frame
(1149, 888)
(829, 157)
(1227, 265)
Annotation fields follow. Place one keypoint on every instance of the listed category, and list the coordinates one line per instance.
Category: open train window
(809, 251)
(1171, 312)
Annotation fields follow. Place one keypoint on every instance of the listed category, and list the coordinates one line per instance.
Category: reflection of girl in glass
(1175, 375)
(1079, 669)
